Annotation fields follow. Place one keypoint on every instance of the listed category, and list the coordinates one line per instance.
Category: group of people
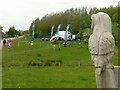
(7, 42)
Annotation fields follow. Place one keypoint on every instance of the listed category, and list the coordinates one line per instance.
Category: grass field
(44, 65)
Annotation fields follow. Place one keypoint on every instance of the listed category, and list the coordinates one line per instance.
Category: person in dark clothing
(4, 43)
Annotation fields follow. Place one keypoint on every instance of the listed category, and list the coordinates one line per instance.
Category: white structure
(61, 34)
(101, 46)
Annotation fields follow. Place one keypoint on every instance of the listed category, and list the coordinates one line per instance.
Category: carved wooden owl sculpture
(101, 41)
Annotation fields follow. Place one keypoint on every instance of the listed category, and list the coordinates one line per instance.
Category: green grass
(49, 77)
(76, 71)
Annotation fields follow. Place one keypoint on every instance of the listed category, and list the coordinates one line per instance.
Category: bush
(45, 63)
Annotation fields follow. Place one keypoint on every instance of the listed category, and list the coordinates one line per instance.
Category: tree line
(12, 32)
(79, 20)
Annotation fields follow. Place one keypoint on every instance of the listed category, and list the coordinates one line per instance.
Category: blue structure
(58, 29)
(33, 28)
(66, 32)
(52, 30)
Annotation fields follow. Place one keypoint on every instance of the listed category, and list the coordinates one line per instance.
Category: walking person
(9, 43)
(4, 42)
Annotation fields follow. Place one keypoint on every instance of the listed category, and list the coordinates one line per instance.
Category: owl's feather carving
(104, 45)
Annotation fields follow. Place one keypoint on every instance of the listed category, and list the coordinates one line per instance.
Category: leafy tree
(1, 28)
(78, 18)
(0, 32)
(19, 33)
(12, 32)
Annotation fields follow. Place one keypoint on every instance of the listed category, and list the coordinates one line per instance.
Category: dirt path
(15, 37)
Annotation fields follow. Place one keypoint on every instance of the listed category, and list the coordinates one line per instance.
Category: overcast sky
(21, 13)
